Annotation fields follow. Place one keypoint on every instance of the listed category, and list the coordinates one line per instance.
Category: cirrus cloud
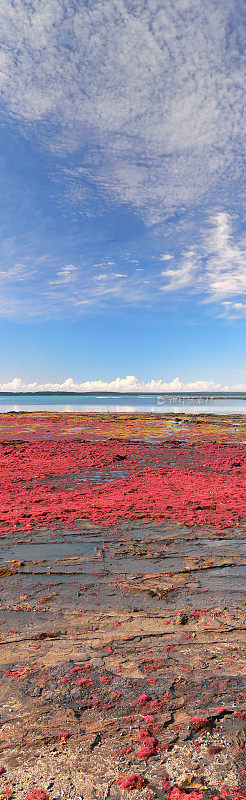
(152, 92)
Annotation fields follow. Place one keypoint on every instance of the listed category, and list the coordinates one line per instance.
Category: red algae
(36, 476)
(177, 794)
(134, 781)
(227, 795)
(62, 736)
(37, 794)
(202, 724)
(149, 744)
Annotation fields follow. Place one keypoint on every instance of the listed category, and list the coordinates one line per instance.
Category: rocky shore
(122, 625)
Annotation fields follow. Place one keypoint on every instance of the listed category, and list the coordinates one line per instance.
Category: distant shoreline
(218, 395)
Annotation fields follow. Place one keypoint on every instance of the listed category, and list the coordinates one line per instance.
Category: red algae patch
(176, 794)
(53, 482)
(37, 794)
(134, 781)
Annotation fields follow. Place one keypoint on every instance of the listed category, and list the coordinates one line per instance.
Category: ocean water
(194, 402)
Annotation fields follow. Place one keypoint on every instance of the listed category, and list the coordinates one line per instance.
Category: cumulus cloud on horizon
(129, 384)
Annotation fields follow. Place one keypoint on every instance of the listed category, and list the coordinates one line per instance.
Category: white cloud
(216, 269)
(213, 269)
(154, 90)
(65, 275)
(234, 306)
(128, 384)
(226, 259)
(232, 310)
(184, 275)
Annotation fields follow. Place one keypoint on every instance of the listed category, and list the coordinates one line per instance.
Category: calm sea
(194, 402)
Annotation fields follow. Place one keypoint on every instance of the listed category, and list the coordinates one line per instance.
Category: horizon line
(218, 393)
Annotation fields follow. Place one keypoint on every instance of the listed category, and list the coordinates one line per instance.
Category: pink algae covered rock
(166, 782)
(37, 794)
(146, 751)
(133, 781)
(234, 795)
(125, 750)
(143, 699)
(62, 736)
(200, 723)
(177, 794)
(149, 744)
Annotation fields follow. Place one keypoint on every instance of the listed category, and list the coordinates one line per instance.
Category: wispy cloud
(140, 105)
(213, 271)
(226, 261)
(65, 275)
(216, 269)
(232, 310)
(183, 275)
(152, 92)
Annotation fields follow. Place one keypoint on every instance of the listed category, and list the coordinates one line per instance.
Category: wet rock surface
(122, 644)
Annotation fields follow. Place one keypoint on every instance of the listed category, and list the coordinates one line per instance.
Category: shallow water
(195, 403)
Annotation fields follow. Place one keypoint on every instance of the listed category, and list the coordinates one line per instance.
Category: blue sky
(122, 225)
